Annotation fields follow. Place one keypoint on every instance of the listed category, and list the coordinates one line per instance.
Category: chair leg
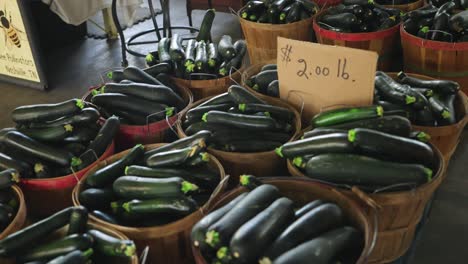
(189, 12)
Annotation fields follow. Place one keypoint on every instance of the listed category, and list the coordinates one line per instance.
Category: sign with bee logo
(18, 60)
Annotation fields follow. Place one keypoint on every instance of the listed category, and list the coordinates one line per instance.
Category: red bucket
(47, 196)
(443, 60)
(328, 3)
(384, 42)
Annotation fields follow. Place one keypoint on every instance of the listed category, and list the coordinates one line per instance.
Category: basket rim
(21, 213)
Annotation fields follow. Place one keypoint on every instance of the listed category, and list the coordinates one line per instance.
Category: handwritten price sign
(319, 77)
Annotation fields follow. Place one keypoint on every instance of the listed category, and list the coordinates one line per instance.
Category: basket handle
(365, 198)
(222, 184)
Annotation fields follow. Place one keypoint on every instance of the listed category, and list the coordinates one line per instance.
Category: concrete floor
(71, 70)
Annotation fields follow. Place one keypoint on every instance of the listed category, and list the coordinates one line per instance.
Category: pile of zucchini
(359, 146)
(200, 58)
(461, 4)
(152, 187)
(8, 201)
(266, 81)
(278, 11)
(442, 23)
(355, 16)
(138, 98)
(424, 102)
(80, 244)
(263, 227)
(240, 122)
(53, 140)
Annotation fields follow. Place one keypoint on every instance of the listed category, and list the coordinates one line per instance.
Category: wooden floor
(73, 69)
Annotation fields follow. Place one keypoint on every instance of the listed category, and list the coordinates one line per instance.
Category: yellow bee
(11, 32)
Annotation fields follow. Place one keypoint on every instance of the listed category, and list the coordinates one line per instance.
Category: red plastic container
(328, 3)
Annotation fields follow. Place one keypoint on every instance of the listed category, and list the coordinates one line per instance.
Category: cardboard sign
(316, 78)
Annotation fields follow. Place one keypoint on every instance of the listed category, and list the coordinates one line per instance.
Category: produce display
(278, 11)
(266, 81)
(444, 23)
(240, 122)
(354, 16)
(424, 102)
(261, 226)
(461, 4)
(152, 187)
(80, 244)
(8, 201)
(200, 58)
(359, 146)
(53, 140)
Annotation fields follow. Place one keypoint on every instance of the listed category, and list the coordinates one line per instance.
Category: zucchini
(219, 234)
(390, 147)
(196, 114)
(263, 18)
(253, 145)
(438, 86)
(319, 131)
(224, 98)
(87, 115)
(8, 177)
(424, 91)
(116, 75)
(254, 237)
(322, 249)
(356, 169)
(155, 93)
(226, 136)
(386, 87)
(163, 50)
(42, 171)
(78, 220)
(249, 181)
(420, 135)
(48, 134)
(205, 28)
(424, 117)
(173, 157)
(240, 95)
(248, 122)
(74, 257)
(459, 22)
(275, 111)
(166, 80)
(294, 13)
(7, 213)
(111, 246)
(264, 78)
(16, 141)
(177, 206)
(200, 126)
(343, 115)
(58, 247)
(273, 14)
(226, 48)
(133, 187)
(334, 143)
(23, 239)
(160, 68)
(213, 56)
(138, 75)
(106, 175)
(190, 52)
(105, 217)
(308, 207)
(46, 112)
(439, 110)
(273, 89)
(175, 48)
(284, 12)
(395, 125)
(201, 57)
(7, 162)
(226, 67)
(201, 158)
(344, 20)
(314, 223)
(448, 102)
(97, 198)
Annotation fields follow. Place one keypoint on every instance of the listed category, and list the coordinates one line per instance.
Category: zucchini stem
(169, 111)
(188, 187)
(126, 170)
(68, 128)
(126, 207)
(109, 75)
(410, 99)
(429, 174)
(445, 114)
(299, 162)
(278, 151)
(15, 177)
(424, 137)
(80, 103)
(212, 238)
(242, 107)
(88, 253)
(204, 117)
(148, 58)
(352, 135)
(129, 249)
(380, 111)
(205, 156)
(244, 180)
(76, 162)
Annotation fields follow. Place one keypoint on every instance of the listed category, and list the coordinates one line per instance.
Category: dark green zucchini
(386, 82)
(424, 117)
(439, 110)
(23, 239)
(308, 207)
(46, 112)
(173, 157)
(386, 89)
(78, 220)
(267, 67)
(205, 28)
(48, 134)
(160, 68)
(7, 162)
(322, 249)
(197, 139)
(175, 48)
(395, 125)
(74, 257)
(42, 170)
(202, 158)
(314, 223)
(196, 114)
(8, 177)
(438, 86)
(294, 13)
(448, 101)
(106, 175)
(420, 135)
(343, 115)
(138, 75)
(273, 14)
(133, 187)
(97, 198)
(116, 75)
(178, 206)
(166, 80)
(81, 134)
(213, 56)
(227, 67)
(273, 89)
(226, 136)
(240, 95)
(219, 234)
(7, 213)
(343, 20)
(88, 115)
(362, 170)
(224, 98)
(200, 126)
(275, 111)
(425, 91)
(334, 143)
(459, 21)
(264, 78)
(201, 57)
(319, 131)
(190, 52)
(58, 247)
(163, 50)
(226, 48)
(105, 217)
(111, 246)
(390, 147)
(249, 181)
(248, 122)
(263, 18)
(254, 237)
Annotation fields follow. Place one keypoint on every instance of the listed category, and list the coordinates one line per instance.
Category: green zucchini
(8, 177)
(116, 75)
(273, 89)
(273, 14)
(241, 121)
(254, 237)
(173, 157)
(23, 239)
(202, 158)
(387, 82)
(249, 181)
(226, 48)
(448, 101)
(96, 198)
(190, 52)
(58, 247)
(200, 126)
(227, 136)
(133, 187)
(219, 234)
(228, 66)
(343, 115)
(179, 206)
(310, 7)
(263, 18)
(240, 95)
(213, 56)
(197, 139)
(395, 125)
(308, 207)
(48, 134)
(264, 78)
(111, 246)
(319, 131)
(294, 13)
(275, 111)
(163, 50)
(322, 249)
(106, 175)
(315, 222)
(390, 147)
(267, 67)
(78, 220)
(201, 57)
(74, 257)
(160, 68)
(356, 169)
(424, 91)
(386, 88)
(82, 134)
(344, 20)
(224, 98)
(439, 110)
(196, 114)
(166, 80)
(105, 217)
(424, 117)
(138, 75)
(204, 32)
(175, 48)
(328, 143)
(87, 115)
(7, 162)
(46, 112)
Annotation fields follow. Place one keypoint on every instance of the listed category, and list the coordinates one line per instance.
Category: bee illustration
(12, 34)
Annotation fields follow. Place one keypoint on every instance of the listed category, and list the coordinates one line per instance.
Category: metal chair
(219, 5)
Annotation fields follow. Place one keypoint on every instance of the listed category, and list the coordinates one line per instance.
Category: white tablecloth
(76, 12)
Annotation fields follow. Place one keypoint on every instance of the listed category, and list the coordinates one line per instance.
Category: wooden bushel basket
(252, 70)
(384, 42)
(170, 243)
(437, 59)
(302, 191)
(260, 164)
(19, 220)
(398, 213)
